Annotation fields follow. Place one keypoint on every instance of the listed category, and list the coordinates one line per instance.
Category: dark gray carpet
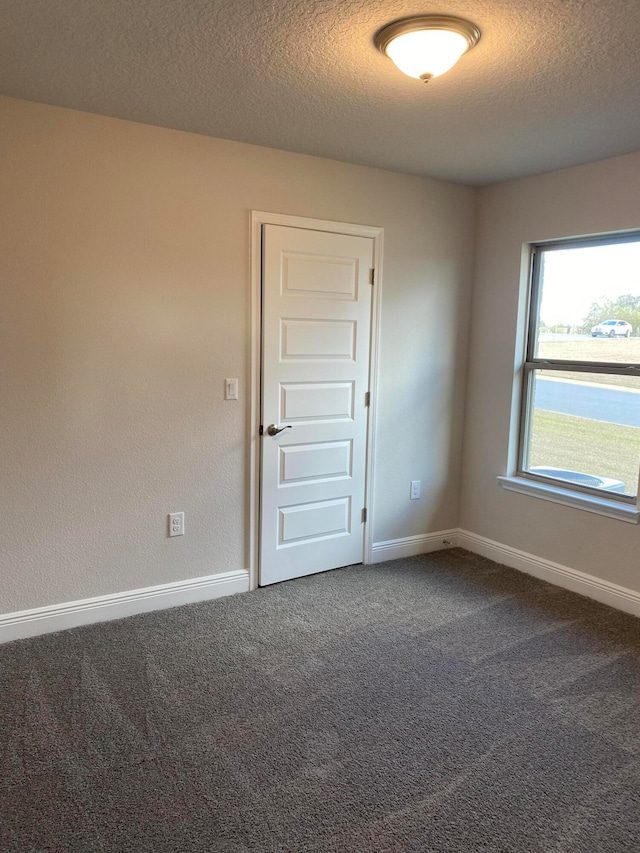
(439, 703)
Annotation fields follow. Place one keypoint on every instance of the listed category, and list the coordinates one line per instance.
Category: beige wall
(588, 199)
(124, 303)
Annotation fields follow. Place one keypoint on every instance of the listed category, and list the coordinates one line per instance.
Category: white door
(316, 330)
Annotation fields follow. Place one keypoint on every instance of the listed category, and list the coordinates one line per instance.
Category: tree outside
(625, 307)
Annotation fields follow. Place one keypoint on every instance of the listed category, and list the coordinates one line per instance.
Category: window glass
(589, 304)
(580, 421)
(585, 428)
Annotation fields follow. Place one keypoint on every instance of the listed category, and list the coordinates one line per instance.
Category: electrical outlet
(415, 490)
(176, 524)
(230, 389)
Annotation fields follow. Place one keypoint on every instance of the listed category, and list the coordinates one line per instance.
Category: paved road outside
(612, 405)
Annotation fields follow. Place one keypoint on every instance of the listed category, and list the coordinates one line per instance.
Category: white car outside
(612, 329)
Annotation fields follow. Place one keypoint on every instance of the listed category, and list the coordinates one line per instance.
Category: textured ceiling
(552, 83)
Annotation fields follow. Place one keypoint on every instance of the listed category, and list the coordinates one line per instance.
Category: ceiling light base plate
(427, 22)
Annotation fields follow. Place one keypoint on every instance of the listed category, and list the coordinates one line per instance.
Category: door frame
(258, 219)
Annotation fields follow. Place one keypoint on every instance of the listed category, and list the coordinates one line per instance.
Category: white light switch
(230, 389)
(415, 490)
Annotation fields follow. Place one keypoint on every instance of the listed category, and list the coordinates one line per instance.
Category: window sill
(577, 500)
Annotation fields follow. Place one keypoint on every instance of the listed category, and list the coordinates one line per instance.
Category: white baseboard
(600, 590)
(409, 546)
(72, 614)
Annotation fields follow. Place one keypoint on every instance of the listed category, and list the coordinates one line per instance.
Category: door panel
(309, 522)
(319, 277)
(315, 373)
(316, 401)
(318, 339)
(329, 460)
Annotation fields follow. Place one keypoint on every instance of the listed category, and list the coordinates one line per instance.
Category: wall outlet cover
(176, 524)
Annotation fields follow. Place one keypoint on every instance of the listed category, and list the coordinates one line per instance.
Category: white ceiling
(552, 83)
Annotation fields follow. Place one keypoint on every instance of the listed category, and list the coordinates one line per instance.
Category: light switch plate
(230, 389)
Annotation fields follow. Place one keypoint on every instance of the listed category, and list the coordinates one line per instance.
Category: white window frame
(620, 506)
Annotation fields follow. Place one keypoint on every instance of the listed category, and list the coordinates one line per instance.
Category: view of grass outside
(586, 445)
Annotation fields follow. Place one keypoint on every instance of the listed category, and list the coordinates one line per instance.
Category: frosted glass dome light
(428, 45)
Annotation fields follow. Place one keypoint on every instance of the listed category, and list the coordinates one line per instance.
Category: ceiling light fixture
(427, 45)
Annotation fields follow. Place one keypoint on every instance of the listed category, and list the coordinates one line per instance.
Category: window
(580, 408)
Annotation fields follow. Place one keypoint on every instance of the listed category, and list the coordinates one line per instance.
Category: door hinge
(367, 398)
(364, 514)
(372, 275)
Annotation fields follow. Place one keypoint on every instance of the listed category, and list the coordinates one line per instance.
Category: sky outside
(575, 278)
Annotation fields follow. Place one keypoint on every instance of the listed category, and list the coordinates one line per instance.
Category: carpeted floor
(438, 703)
